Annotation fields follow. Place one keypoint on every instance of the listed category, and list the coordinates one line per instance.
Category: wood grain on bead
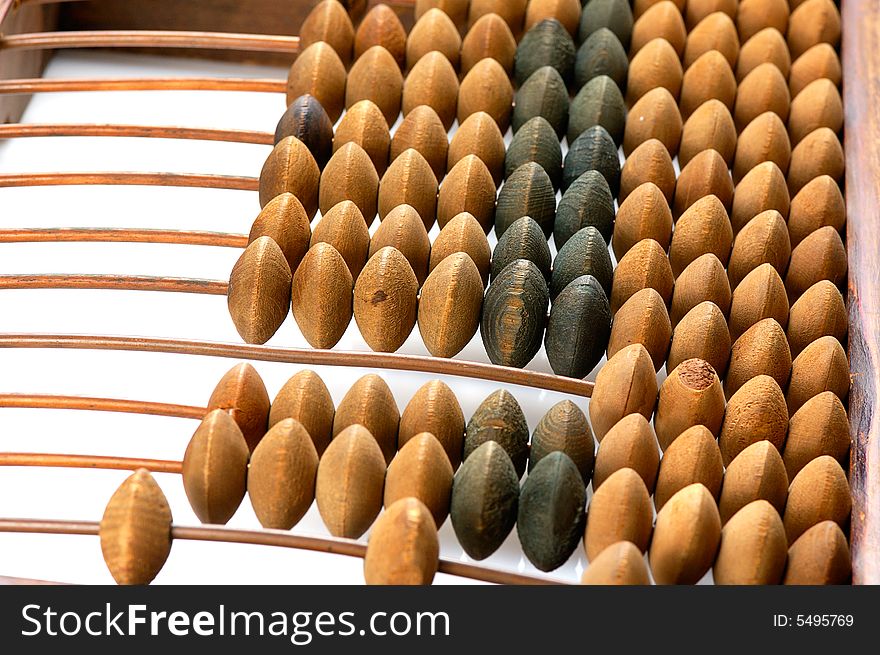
(645, 266)
(701, 334)
(215, 468)
(761, 189)
(763, 139)
(760, 350)
(468, 188)
(820, 256)
(433, 82)
(433, 31)
(757, 473)
(817, 204)
(567, 12)
(435, 409)
(619, 564)
(753, 547)
(585, 253)
(488, 37)
(704, 175)
(690, 396)
(587, 203)
(403, 548)
(715, 33)
(592, 150)
(305, 398)
(578, 328)
(819, 153)
(813, 22)
(281, 475)
(820, 556)
(306, 120)
(527, 192)
(821, 366)
(370, 403)
(819, 312)
(704, 279)
(322, 296)
(692, 458)
(620, 510)
(818, 105)
(805, 507)
(499, 418)
(318, 71)
(403, 229)
(344, 228)
(450, 304)
(331, 23)
(627, 384)
(365, 125)
(764, 89)
(535, 142)
(630, 443)
(135, 530)
(486, 88)
(350, 175)
(642, 319)
(765, 46)
(756, 412)
(644, 214)
(660, 20)
(242, 394)
(703, 228)
(421, 470)
(710, 126)
(350, 482)
(385, 300)
(479, 135)
(290, 167)
(375, 76)
(656, 64)
(565, 428)
(753, 15)
(760, 295)
(708, 78)
(543, 94)
(547, 43)
(463, 234)
(654, 116)
(285, 221)
(819, 427)
(601, 55)
(650, 162)
(524, 239)
(381, 28)
(763, 240)
(423, 131)
(819, 61)
(409, 180)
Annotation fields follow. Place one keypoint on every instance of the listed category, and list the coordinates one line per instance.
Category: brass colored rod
(200, 180)
(21, 130)
(120, 235)
(115, 283)
(307, 357)
(46, 401)
(51, 85)
(151, 39)
(89, 462)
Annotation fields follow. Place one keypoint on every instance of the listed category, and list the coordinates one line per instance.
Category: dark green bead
(598, 103)
(543, 94)
(536, 141)
(594, 150)
(550, 520)
(499, 418)
(522, 240)
(306, 120)
(601, 54)
(527, 192)
(586, 253)
(588, 202)
(616, 15)
(547, 44)
(578, 329)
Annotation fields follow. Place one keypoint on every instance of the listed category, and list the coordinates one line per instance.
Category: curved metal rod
(43, 85)
(50, 401)
(24, 130)
(122, 235)
(151, 39)
(306, 356)
(330, 545)
(52, 460)
(115, 283)
(200, 180)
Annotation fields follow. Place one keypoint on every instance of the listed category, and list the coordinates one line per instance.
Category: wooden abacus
(728, 274)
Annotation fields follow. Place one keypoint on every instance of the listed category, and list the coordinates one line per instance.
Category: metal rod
(22, 130)
(204, 181)
(48, 401)
(120, 235)
(115, 283)
(52, 460)
(43, 85)
(307, 357)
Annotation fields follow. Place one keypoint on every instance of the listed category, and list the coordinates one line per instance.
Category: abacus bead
(546, 44)
(599, 102)
(587, 202)
(543, 94)
(592, 150)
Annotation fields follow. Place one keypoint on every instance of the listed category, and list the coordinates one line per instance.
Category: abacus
(636, 203)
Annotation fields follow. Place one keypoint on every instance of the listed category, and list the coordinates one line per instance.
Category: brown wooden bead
(757, 473)
(433, 82)
(708, 78)
(689, 517)
(457, 10)
(344, 228)
(370, 403)
(329, 22)
(281, 475)
(753, 546)
(409, 180)
(706, 174)
(422, 131)
(818, 105)
(643, 215)
(764, 139)
(767, 46)
(819, 153)
(763, 240)
(259, 291)
(704, 279)
(479, 135)
(756, 412)
(641, 6)
(486, 88)
(135, 530)
(655, 64)
(376, 77)
(488, 37)
(760, 350)
(215, 468)
(404, 548)
(619, 510)
(654, 116)
(642, 319)
(350, 175)
(404, 230)
(385, 300)
(710, 126)
(512, 11)
(350, 482)
(365, 125)
(450, 304)
(305, 398)
(701, 334)
(813, 22)
(820, 256)
(764, 89)
(817, 204)
(820, 61)
(463, 234)
(660, 20)
(690, 396)
(318, 71)
(692, 458)
(627, 384)
(242, 394)
(819, 427)
(703, 228)
(821, 366)
(321, 296)
(697, 10)
(805, 507)
(755, 15)
(468, 188)
(421, 470)
(291, 168)
(619, 564)
(715, 33)
(760, 295)
(630, 443)
(819, 312)
(435, 409)
(565, 428)
(567, 12)
(820, 556)
(433, 31)
(381, 27)
(644, 266)
(284, 221)
(650, 162)
(761, 189)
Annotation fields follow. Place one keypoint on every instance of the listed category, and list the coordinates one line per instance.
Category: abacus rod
(151, 39)
(307, 357)
(23, 130)
(6, 580)
(205, 181)
(52, 460)
(122, 235)
(51, 85)
(51, 401)
(330, 545)
(114, 283)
